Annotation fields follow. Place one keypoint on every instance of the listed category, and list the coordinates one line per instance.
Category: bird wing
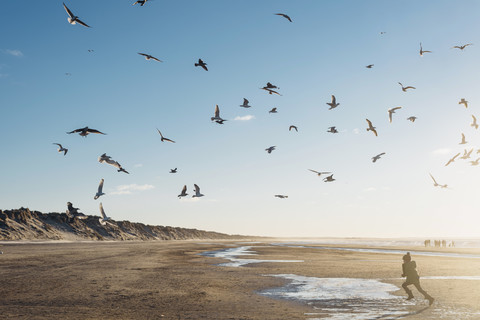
(76, 130)
(156, 59)
(94, 131)
(400, 84)
(369, 123)
(58, 144)
(474, 119)
(82, 23)
(197, 189)
(390, 115)
(453, 159)
(463, 138)
(314, 171)
(168, 140)
(159, 133)
(184, 190)
(100, 186)
(68, 11)
(245, 102)
(410, 87)
(433, 178)
(217, 111)
(396, 108)
(102, 212)
(375, 131)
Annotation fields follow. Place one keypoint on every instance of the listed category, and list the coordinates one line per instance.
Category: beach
(228, 280)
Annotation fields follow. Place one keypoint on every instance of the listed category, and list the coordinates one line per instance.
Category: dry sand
(169, 280)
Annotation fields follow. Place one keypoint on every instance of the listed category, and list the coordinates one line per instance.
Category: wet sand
(170, 280)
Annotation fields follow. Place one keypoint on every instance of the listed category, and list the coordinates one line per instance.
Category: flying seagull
(464, 102)
(453, 159)
(435, 184)
(284, 15)
(332, 130)
(475, 162)
(423, 51)
(183, 193)
(245, 104)
(319, 173)
(404, 89)
(474, 124)
(61, 149)
(274, 110)
(149, 57)
(371, 127)
(99, 191)
(270, 86)
(104, 158)
(375, 158)
(140, 2)
(270, 91)
(162, 138)
(462, 47)
(85, 131)
(270, 149)
(292, 127)
(391, 112)
(281, 196)
(216, 117)
(104, 218)
(369, 66)
(329, 178)
(201, 64)
(73, 212)
(173, 170)
(466, 154)
(333, 104)
(197, 192)
(463, 139)
(73, 19)
(412, 118)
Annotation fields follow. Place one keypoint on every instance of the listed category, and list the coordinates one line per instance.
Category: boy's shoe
(430, 301)
(410, 297)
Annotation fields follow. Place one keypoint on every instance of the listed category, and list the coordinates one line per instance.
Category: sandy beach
(211, 280)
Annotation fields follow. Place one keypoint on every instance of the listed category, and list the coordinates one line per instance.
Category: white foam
(232, 254)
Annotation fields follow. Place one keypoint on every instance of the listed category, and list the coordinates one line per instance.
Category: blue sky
(323, 52)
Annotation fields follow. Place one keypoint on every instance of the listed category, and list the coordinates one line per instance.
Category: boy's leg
(425, 294)
(407, 290)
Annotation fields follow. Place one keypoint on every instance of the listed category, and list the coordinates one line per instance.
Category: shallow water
(232, 254)
(358, 299)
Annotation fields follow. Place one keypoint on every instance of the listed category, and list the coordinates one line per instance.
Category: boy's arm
(403, 270)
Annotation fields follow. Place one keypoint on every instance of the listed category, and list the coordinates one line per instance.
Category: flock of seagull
(270, 89)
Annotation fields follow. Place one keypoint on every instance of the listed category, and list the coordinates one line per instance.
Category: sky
(51, 84)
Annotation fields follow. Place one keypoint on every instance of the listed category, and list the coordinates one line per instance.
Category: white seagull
(103, 220)
(104, 158)
(435, 184)
(453, 159)
(404, 89)
(197, 192)
(463, 139)
(61, 149)
(371, 127)
(466, 154)
(99, 191)
(412, 118)
(333, 104)
(464, 102)
(391, 112)
(73, 19)
(474, 124)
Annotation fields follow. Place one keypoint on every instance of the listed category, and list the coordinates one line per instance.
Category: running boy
(409, 271)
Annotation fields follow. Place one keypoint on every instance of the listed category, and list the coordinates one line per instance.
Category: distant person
(410, 271)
